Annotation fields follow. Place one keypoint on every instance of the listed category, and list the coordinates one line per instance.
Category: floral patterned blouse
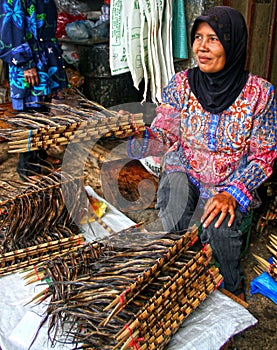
(27, 39)
(231, 151)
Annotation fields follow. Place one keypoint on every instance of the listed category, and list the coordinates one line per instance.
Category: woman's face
(208, 50)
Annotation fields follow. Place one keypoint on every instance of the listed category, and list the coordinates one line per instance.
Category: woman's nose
(203, 44)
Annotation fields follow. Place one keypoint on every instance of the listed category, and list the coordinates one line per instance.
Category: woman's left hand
(222, 203)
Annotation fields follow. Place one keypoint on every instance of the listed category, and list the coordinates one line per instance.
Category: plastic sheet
(215, 320)
(264, 284)
(208, 327)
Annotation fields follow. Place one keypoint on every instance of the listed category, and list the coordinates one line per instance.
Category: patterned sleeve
(14, 47)
(165, 128)
(262, 149)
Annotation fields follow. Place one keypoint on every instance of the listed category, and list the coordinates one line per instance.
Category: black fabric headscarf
(217, 91)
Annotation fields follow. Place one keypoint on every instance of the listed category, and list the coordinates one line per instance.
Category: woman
(217, 130)
(36, 67)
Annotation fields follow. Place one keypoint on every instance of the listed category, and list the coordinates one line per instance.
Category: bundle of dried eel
(135, 288)
(40, 219)
(263, 264)
(69, 124)
(21, 259)
(269, 212)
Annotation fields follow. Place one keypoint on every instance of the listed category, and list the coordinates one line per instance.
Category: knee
(226, 242)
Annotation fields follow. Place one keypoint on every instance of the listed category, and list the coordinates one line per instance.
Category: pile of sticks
(131, 291)
(264, 265)
(36, 223)
(270, 211)
(69, 124)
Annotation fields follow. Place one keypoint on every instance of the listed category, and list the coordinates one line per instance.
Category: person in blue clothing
(29, 46)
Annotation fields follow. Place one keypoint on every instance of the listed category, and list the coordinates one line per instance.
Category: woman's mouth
(203, 59)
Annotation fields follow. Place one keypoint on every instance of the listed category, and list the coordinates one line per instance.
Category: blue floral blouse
(28, 39)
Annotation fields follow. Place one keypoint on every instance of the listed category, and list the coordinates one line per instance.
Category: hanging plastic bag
(63, 19)
(77, 30)
(264, 284)
(70, 53)
(100, 30)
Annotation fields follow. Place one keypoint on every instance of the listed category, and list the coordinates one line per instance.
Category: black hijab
(217, 91)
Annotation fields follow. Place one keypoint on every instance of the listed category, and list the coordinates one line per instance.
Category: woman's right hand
(222, 203)
(31, 76)
(136, 129)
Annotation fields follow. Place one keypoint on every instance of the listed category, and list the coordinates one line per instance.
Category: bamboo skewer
(263, 264)
(46, 139)
(37, 135)
(23, 265)
(178, 281)
(164, 309)
(37, 224)
(154, 332)
(64, 140)
(41, 248)
(148, 276)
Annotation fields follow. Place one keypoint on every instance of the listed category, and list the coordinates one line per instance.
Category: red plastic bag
(63, 19)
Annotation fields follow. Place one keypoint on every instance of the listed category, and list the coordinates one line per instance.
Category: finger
(232, 217)
(208, 208)
(223, 215)
(210, 217)
(29, 79)
(220, 220)
(34, 80)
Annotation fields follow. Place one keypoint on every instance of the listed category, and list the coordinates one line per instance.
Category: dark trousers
(30, 163)
(180, 206)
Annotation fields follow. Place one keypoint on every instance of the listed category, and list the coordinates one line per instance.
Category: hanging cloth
(179, 32)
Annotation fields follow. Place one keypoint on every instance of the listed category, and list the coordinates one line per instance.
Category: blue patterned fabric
(28, 39)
